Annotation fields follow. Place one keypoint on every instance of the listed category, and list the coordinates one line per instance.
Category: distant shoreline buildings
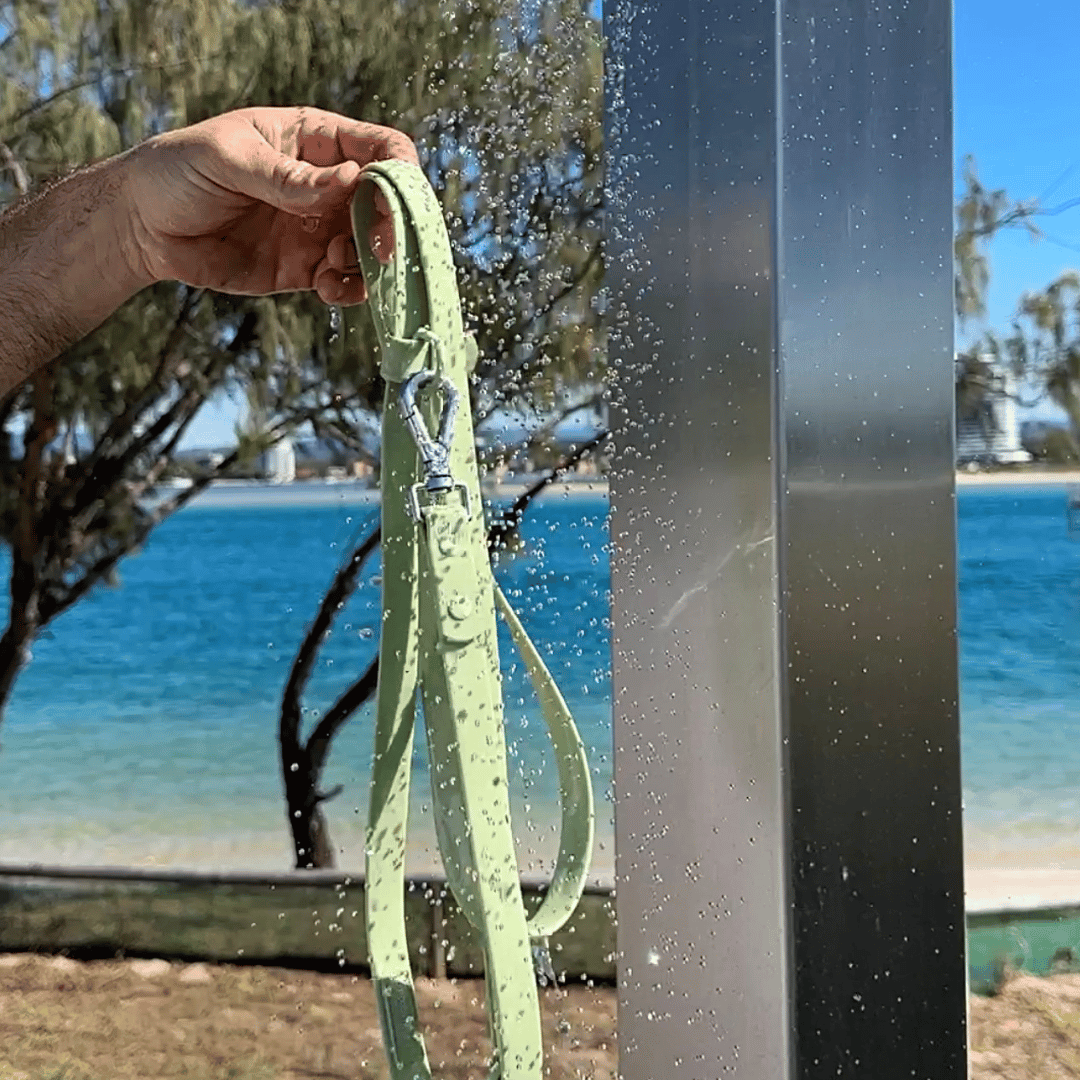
(989, 432)
(293, 460)
(279, 462)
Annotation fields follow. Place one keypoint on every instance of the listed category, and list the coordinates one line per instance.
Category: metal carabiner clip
(434, 453)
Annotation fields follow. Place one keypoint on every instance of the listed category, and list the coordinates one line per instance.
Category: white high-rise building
(992, 436)
(279, 462)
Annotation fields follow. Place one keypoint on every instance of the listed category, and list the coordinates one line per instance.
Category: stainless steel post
(788, 835)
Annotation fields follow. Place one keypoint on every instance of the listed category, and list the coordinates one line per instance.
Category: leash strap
(438, 641)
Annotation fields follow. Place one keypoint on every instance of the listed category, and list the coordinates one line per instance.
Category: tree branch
(70, 88)
(510, 519)
(57, 605)
(341, 588)
(361, 691)
(519, 330)
(338, 713)
(122, 423)
(102, 470)
(14, 166)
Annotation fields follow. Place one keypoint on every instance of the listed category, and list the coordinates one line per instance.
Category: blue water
(1019, 607)
(144, 728)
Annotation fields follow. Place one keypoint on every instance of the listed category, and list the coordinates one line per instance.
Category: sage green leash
(439, 637)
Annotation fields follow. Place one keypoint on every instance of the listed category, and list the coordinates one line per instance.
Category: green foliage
(1044, 343)
(1042, 347)
(980, 215)
(504, 101)
(1059, 448)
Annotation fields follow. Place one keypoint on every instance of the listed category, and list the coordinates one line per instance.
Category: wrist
(122, 243)
(135, 239)
(68, 260)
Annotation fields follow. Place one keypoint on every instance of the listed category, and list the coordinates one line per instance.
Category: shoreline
(263, 494)
(989, 887)
(1019, 478)
(1018, 888)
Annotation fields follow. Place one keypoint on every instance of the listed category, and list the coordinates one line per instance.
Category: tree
(478, 83)
(525, 230)
(980, 215)
(1042, 347)
(1044, 344)
(86, 441)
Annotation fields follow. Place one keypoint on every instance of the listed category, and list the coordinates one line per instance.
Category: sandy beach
(227, 493)
(1019, 478)
(1020, 888)
(992, 883)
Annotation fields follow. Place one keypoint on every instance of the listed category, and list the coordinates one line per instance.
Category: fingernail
(309, 222)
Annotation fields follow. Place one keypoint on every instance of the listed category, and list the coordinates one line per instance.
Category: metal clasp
(434, 453)
(545, 970)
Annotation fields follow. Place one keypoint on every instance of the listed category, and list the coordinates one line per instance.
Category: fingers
(343, 289)
(341, 251)
(364, 143)
(328, 138)
(337, 280)
(381, 238)
(381, 235)
(341, 254)
(381, 232)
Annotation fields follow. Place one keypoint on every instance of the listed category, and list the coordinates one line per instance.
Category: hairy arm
(67, 262)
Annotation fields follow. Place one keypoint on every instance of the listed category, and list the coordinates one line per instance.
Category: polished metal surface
(788, 845)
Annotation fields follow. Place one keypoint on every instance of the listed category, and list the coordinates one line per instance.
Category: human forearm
(67, 262)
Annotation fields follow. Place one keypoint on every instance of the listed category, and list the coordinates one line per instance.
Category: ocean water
(144, 730)
(1019, 634)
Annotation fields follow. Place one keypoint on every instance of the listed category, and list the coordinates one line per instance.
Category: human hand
(257, 201)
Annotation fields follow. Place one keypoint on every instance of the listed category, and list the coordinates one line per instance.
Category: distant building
(990, 433)
(279, 462)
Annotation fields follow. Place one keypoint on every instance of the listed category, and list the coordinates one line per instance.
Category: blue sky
(1017, 110)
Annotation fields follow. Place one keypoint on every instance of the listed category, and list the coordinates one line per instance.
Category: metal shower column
(787, 754)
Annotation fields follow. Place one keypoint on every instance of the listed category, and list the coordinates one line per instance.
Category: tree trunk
(312, 849)
(13, 651)
(21, 630)
(28, 546)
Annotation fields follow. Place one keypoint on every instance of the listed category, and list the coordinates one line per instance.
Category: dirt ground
(62, 1019)
(1029, 1031)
